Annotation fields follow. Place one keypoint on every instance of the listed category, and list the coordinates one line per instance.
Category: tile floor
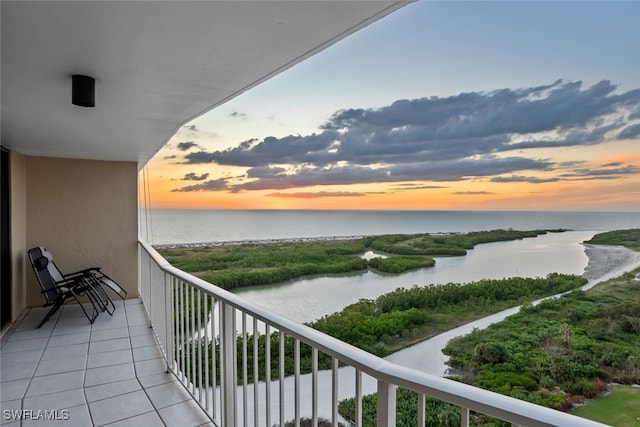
(109, 373)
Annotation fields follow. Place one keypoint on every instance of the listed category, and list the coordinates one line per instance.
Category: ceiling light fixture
(83, 90)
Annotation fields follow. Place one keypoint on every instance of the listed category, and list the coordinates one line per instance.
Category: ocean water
(192, 226)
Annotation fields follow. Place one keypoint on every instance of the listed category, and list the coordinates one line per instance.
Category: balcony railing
(207, 338)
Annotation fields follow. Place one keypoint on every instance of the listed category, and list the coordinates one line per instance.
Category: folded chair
(58, 287)
(59, 290)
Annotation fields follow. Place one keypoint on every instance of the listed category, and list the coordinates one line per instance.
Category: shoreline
(608, 261)
(255, 242)
(221, 243)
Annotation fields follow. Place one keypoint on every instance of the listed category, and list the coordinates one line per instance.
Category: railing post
(421, 410)
(228, 364)
(386, 404)
(464, 417)
(358, 398)
(168, 318)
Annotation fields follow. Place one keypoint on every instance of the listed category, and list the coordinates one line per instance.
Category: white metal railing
(202, 329)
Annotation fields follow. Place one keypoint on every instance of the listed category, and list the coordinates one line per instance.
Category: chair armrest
(85, 272)
(67, 283)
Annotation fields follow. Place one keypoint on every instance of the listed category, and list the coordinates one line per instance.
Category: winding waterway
(308, 299)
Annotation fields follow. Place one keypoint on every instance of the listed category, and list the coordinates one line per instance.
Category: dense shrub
(491, 352)
(573, 346)
(398, 264)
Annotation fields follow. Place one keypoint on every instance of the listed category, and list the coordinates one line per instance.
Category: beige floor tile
(168, 394)
(120, 407)
(12, 390)
(105, 391)
(183, 414)
(150, 419)
(60, 364)
(55, 383)
(109, 358)
(59, 400)
(109, 374)
(109, 345)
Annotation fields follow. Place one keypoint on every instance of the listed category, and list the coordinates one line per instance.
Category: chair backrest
(51, 266)
(42, 264)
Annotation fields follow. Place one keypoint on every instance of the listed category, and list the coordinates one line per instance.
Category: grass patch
(620, 408)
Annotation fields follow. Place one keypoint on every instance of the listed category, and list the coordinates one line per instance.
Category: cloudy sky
(442, 105)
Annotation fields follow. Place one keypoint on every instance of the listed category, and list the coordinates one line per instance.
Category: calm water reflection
(309, 299)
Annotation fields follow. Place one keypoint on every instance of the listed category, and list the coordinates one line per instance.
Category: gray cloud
(184, 146)
(279, 178)
(191, 176)
(211, 185)
(630, 132)
(412, 186)
(438, 139)
(520, 178)
(604, 172)
(237, 115)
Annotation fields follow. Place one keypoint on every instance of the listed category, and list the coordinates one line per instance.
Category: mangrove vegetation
(251, 264)
(627, 238)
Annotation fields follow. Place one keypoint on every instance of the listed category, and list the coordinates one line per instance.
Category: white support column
(386, 404)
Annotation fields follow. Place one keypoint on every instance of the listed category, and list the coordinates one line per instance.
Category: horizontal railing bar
(483, 401)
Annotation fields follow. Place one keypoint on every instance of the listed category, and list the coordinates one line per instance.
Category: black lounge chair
(58, 287)
(58, 290)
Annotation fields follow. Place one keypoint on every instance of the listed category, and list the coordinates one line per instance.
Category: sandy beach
(607, 262)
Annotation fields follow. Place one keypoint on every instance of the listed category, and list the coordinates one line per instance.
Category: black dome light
(83, 90)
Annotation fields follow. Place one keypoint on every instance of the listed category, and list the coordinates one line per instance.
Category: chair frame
(89, 282)
(57, 293)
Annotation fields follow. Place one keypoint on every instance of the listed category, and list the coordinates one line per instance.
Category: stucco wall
(18, 201)
(85, 213)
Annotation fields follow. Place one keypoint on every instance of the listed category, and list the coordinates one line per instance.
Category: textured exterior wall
(18, 177)
(85, 213)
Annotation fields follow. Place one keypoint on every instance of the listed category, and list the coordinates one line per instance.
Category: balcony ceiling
(157, 65)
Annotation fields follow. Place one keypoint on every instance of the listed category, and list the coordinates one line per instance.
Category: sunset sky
(441, 105)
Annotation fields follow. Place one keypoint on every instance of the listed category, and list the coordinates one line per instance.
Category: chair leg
(94, 286)
(55, 308)
(95, 313)
(105, 301)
